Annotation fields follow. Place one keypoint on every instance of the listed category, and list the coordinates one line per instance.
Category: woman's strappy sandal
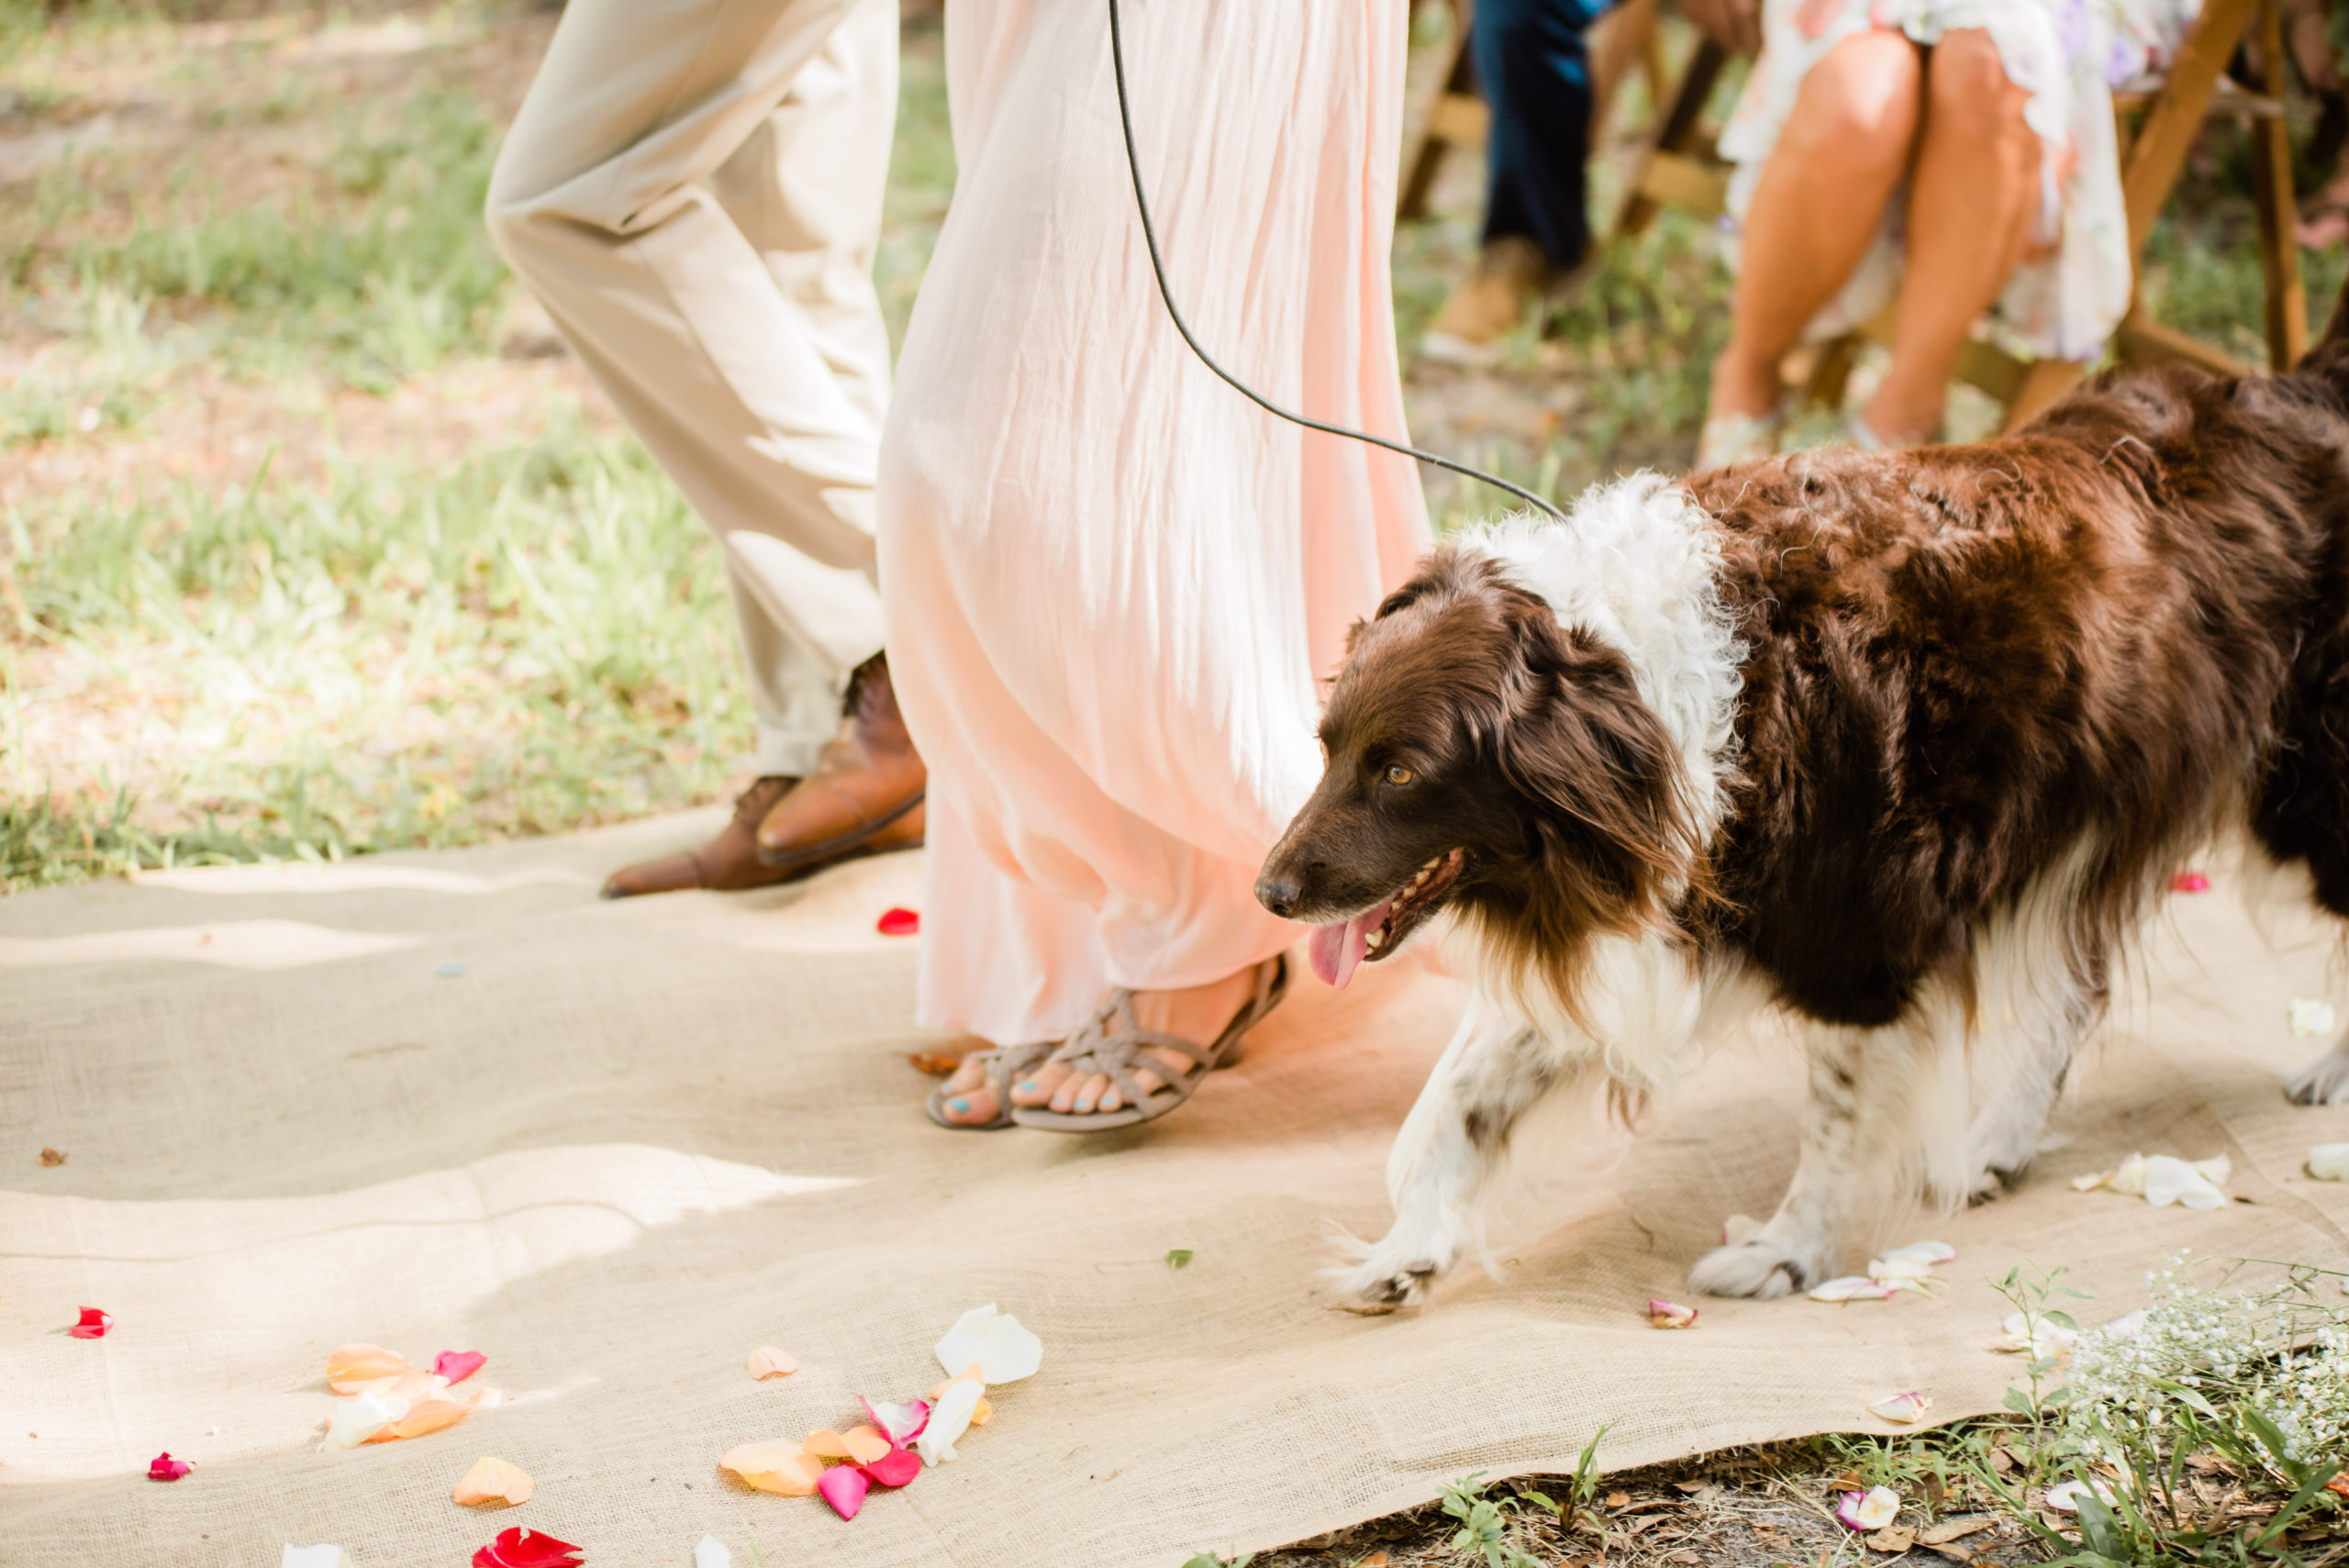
(1006, 1065)
(1112, 1045)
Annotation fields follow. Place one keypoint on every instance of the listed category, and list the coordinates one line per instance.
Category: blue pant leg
(1533, 64)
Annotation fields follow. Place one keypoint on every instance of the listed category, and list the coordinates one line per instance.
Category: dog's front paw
(2324, 1081)
(1400, 1270)
(1762, 1267)
(1384, 1284)
(1990, 1185)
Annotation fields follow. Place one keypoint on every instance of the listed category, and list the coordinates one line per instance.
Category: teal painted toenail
(958, 1105)
(1029, 1087)
(1083, 1105)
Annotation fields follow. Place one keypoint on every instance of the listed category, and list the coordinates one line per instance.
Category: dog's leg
(2018, 1070)
(1496, 1067)
(2323, 1082)
(1855, 1133)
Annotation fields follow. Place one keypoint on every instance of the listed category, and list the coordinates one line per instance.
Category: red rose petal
(520, 1547)
(843, 1487)
(92, 1326)
(899, 922)
(459, 1365)
(894, 1468)
(164, 1467)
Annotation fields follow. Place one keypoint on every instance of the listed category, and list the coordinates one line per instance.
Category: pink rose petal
(898, 922)
(844, 1486)
(92, 1326)
(164, 1467)
(1670, 1314)
(459, 1365)
(894, 1468)
(2189, 882)
(901, 1424)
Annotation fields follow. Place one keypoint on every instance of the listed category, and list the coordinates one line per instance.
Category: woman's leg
(1116, 580)
(1970, 206)
(1820, 203)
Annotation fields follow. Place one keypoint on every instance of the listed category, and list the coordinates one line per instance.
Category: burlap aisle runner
(633, 1142)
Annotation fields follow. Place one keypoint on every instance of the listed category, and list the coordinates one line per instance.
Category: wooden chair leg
(2159, 151)
(1679, 128)
(1831, 372)
(1426, 160)
(2271, 169)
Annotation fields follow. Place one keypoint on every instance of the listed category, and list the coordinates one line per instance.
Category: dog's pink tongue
(1337, 949)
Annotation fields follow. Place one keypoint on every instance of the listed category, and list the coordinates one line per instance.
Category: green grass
(379, 272)
(536, 639)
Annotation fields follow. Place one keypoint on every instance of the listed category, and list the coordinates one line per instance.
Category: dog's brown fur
(2090, 644)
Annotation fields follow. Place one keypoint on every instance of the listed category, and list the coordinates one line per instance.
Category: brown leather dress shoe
(728, 863)
(864, 795)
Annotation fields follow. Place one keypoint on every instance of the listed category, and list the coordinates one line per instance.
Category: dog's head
(1480, 756)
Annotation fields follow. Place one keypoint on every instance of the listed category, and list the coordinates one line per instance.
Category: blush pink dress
(1113, 585)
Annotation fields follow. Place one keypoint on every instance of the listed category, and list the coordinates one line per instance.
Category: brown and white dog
(1904, 742)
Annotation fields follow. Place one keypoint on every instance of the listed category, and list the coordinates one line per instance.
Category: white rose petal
(709, 1553)
(1852, 1288)
(2128, 1325)
(2330, 1161)
(1926, 1251)
(1004, 1351)
(1900, 1407)
(2310, 1017)
(1873, 1509)
(2041, 1338)
(949, 1419)
(2172, 1181)
(2065, 1496)
(359, 1418)
(314, 1557)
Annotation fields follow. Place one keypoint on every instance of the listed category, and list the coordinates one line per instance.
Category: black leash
(1158, 266)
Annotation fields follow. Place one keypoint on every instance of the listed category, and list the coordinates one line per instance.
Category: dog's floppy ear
(1599, 767)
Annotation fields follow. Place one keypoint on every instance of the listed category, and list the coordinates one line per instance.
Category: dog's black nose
(1278, 894)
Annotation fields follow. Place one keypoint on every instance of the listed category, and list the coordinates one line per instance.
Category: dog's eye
(1398, 774)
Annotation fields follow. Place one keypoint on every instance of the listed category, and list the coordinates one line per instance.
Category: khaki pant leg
(735, 331)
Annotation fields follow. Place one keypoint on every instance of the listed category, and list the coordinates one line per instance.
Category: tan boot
(728, 863)
(1473, 325)
(864, 795)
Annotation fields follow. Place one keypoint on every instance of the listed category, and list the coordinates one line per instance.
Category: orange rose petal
(417, 1387)
(779, 1466)
(968, 1374)
(865, 1443)
(352, 1364)
(494, 1481)
(429, 1416)
(767, 1362)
